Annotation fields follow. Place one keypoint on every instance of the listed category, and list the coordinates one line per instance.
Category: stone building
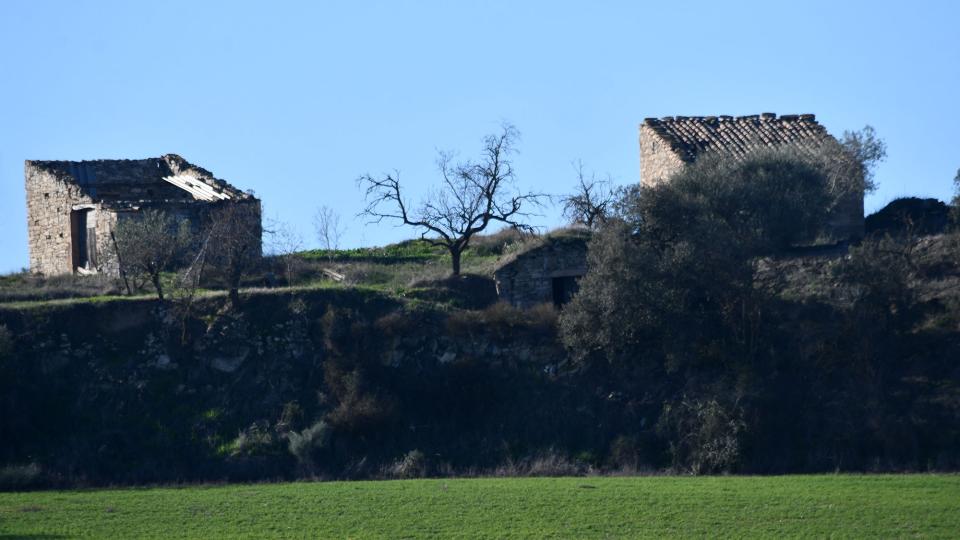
(669, 144)
(73, 206)
(547, 270)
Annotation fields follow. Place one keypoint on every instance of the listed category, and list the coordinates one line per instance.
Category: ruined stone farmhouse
(74, 206)
(548, 271)
(668, 144)
(545, 270)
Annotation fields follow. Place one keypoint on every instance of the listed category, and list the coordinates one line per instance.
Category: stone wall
(527, 279)
(50, 199)
(657, 161)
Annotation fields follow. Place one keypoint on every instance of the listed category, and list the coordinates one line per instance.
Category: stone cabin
(73, 206)
(546, 270)
(668, 144)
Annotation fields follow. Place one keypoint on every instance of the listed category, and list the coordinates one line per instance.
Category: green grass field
(925, 506)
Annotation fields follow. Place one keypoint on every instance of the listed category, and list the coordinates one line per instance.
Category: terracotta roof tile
(690, 136)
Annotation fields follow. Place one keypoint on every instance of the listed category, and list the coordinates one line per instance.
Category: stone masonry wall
(50, 199)
(528, 280)
(657, 161)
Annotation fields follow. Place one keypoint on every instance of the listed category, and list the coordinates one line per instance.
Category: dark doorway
(564, 288)
(83, 232)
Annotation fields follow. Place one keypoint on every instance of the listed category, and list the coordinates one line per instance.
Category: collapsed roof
(127, 182)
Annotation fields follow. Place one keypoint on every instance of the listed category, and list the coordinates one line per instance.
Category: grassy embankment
(395, 269)
(811, 506)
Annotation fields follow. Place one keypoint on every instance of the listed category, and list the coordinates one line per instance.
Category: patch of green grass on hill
(397, 269)
(393, 269)
(409, 250)
(789, 506)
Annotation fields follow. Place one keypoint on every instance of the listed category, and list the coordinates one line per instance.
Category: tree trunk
(234, 285)
(120, 267)
(156, 285)
(455, 258)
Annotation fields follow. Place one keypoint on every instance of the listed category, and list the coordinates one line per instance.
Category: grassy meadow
(926, 506)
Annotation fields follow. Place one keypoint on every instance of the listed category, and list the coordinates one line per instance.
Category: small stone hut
(668, 144)
(546, 270)
(73, 206)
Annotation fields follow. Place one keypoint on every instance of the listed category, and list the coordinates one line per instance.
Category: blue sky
(295, 100)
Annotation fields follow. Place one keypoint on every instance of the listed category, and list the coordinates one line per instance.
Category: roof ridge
(804, 117)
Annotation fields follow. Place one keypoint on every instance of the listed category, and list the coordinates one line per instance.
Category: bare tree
(284, 243)
(470, 197)
(234, 247)
(186, 286)
(592, 201)
(329, 229)
(149, 244)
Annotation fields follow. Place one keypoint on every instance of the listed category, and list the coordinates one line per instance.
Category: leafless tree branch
(592, 201)
(470, 196)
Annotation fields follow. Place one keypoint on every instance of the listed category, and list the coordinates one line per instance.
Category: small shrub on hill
(19, 477)
(412, 465)
(705, 436)
(304, 444)
(254, 441)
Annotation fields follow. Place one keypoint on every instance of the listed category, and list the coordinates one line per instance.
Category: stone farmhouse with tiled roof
(668, 144)
(74, 206)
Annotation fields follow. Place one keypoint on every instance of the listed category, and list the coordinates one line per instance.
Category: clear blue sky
(295, 100)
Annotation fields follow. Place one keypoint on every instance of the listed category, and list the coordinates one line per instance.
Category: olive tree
(470, 196)
(150, 243)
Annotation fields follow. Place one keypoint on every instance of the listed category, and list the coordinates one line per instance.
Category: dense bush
(704, 436)
(678, 316)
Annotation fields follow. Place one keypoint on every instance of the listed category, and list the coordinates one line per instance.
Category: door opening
(83, 233)
(564, 287)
